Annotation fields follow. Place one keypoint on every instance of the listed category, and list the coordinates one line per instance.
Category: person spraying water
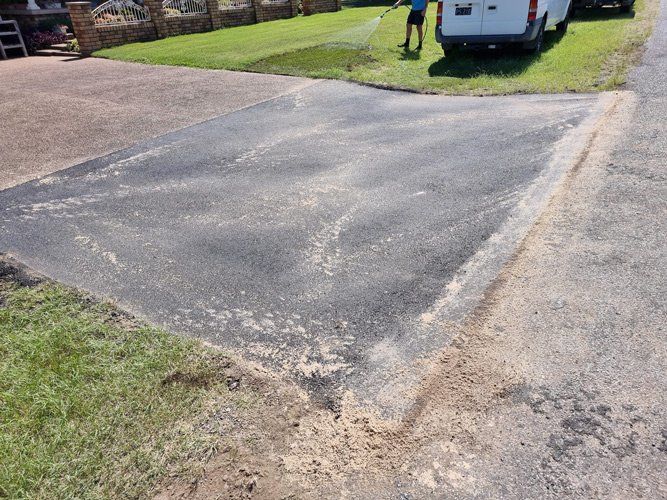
(415, 18)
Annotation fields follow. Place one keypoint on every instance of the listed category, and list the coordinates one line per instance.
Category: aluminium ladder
(10, 29)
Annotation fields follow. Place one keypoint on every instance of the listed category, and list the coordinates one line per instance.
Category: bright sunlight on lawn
(94, 404)
(593, 55)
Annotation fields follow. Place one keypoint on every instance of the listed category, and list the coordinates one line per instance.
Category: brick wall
(317, 6)
(272, 11)
(184, 25)
(238, 17)
(92, 37)
(110, 36)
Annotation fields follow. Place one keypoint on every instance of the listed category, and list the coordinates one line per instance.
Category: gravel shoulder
(574, 330)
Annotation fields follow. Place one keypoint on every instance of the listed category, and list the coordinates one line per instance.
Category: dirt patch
(191, 379)
(210, 370)
(252, 437)
(13, 271)
(291, 446)
(463, 381)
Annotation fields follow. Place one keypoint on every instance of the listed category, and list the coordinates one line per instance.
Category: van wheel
(561, 27)
(535, 46)
(625, 9)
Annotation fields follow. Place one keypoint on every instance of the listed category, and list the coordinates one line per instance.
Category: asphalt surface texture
(79, 109)
(577, 324)
(344, 235)
(312, 232)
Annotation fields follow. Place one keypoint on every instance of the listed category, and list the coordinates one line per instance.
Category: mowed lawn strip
(594, 54)
(94, 404)
(236, 48)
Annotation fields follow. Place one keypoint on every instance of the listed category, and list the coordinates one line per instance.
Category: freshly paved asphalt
(312, 232)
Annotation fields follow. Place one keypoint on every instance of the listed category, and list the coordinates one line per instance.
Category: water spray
(359, 35)
(394, 8)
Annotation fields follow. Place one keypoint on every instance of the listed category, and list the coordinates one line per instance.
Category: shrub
(73, 46)
(43, 40)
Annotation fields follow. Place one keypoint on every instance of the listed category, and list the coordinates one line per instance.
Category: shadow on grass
(410, 55)
(507, 62)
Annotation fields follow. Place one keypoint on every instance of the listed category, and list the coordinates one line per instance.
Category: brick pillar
(214, 13)
(157, 17)
(338, 4)
(295, 7)
(84, 27)
(259, 11)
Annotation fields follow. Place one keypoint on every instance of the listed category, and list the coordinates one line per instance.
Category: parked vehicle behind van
(624, 5)
(493, 24)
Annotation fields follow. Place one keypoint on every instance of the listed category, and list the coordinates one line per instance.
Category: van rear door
(462, 17)
(504, 17)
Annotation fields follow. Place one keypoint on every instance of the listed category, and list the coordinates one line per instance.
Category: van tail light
(438, 16)
(532, 10)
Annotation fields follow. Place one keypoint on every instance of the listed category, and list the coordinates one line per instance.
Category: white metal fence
(120, 12)
(174, 8)
(234, 4)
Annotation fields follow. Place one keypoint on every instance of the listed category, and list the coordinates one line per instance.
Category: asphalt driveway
(58, 112)
(323, 232)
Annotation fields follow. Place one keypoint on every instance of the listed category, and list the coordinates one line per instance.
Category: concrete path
(327, 233)
(60, 112)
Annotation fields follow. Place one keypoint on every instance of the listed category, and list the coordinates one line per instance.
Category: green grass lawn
(593, 55)
(94, 404)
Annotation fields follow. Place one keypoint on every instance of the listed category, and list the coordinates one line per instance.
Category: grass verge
(94, 404)
(594, 55)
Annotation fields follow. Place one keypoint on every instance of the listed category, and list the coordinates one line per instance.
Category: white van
(496, 23)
